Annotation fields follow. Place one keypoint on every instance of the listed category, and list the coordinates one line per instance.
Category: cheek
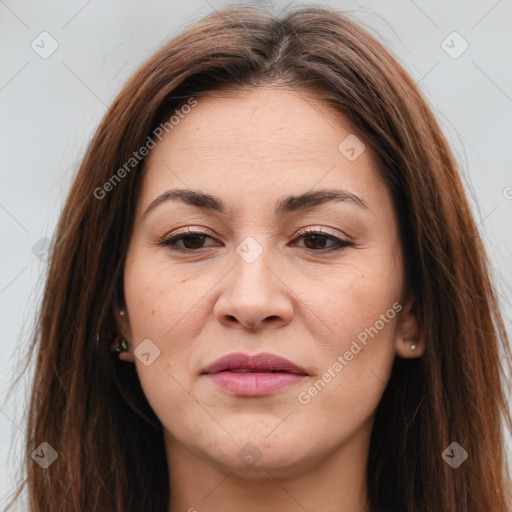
(161, 309)
(359, 306)
(341, 398)
(166, 306)
(353, 296)
(161, 299)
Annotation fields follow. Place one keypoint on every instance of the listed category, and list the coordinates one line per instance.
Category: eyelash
(340, 244)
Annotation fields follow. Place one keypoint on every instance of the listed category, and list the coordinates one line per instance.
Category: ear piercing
(413, 339)
(122, 345)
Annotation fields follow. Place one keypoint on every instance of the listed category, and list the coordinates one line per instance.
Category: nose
(254, 296)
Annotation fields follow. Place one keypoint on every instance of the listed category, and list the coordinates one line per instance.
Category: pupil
(196, 239)
(315, 239)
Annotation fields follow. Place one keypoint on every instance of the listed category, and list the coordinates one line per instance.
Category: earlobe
(413, 342)
(121, 349)
(409, 347)
(410, 339)
(121, 346)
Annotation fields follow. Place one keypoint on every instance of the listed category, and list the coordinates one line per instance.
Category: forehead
(267, 121)
(258, 142)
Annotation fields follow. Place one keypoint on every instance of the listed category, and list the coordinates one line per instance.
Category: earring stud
(413, 339)
(122, 346)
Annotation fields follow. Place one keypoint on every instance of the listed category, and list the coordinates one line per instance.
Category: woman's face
(260, 278)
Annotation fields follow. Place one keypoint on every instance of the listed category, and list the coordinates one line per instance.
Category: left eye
(317, 240)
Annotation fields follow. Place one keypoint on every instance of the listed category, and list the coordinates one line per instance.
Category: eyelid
(192, 230)
(189, 230)
(322, 230)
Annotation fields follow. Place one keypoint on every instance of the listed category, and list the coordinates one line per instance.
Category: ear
(123, 329)
(408, 333)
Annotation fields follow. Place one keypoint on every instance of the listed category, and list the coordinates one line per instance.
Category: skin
(297, 300)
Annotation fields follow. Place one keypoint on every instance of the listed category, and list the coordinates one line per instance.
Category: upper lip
(257, 362)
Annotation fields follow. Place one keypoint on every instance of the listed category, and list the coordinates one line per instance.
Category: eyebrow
(285, 205)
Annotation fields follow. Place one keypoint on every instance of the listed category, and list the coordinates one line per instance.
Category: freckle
(184, 280)
(153, 312)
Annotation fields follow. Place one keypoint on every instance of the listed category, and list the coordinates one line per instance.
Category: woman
(267, 291)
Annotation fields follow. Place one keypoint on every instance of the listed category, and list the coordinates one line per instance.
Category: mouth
(259, 363)
(256, 371)
(257, 375)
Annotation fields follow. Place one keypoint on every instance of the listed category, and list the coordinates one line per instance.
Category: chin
(261, 456)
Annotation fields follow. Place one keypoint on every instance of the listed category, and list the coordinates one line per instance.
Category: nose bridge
(250, 264)
(252, 293)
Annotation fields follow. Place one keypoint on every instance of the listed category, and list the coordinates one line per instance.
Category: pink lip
(260, 381)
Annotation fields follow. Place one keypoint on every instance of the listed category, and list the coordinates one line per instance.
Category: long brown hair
(90, 407)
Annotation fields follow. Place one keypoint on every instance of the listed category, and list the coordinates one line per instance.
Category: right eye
(192, 241)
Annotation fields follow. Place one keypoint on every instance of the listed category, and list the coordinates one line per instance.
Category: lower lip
(254, 384)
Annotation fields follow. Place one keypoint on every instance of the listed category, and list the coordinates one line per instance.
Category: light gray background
(50, 108)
